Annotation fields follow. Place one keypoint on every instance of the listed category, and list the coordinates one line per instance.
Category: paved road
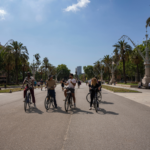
(122, 124)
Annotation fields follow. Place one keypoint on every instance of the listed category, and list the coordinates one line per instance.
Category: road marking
(66, 135)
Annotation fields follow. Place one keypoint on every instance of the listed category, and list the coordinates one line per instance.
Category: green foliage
(64, 74)
(88, 71)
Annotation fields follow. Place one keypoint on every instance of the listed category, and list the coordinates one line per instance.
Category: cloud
(2, 14)
(80, 4)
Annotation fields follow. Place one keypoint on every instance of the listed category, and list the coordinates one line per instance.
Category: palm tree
(124, 49)
(148, 22)
(18, 49)
(107, 60)
(9, 62)
(45, 65)
(25, 65)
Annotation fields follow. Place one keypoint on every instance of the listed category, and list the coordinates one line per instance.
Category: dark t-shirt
(94, 87)
(41, 82)
(62, 83)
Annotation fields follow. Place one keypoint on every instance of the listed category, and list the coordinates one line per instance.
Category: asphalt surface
(121, 124)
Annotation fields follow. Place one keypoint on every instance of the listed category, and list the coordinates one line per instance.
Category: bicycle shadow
(78, 110)
(104, 102)
(72, 110)
(106, 112)
(35, 110)
(57, 110)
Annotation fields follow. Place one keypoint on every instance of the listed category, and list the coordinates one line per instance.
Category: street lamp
(146, 59)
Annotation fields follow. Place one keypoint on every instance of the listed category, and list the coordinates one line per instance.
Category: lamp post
(146, 58)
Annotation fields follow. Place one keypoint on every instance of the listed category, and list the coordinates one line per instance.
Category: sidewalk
(142, 98)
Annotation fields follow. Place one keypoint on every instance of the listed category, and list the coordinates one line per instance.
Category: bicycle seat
(69, 92)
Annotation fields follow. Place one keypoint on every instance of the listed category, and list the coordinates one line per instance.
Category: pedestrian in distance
(41, 83)
(62, 84)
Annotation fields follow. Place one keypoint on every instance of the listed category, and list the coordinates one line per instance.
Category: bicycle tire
(99, 96)
(52, 102)
(88, 97)
(66, 104)
(25, 106)
(46, 103)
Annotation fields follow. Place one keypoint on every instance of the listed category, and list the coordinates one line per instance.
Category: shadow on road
(106, 112)
(78, 110)
(36, 110)
(74, 110)
(104, 102)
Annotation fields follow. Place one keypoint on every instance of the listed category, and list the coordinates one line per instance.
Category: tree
(17, 49)
(107, 60)
(64, 72)
(45, 65)
(88, 71)
(8, 62)
(148, 22)
(37, 57)
(124, 49)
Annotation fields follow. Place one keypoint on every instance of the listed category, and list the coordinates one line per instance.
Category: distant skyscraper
(79, 70)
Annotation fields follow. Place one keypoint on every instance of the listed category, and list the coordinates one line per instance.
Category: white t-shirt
(70, 84)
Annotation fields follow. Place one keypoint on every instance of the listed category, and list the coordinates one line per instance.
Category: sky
(72, 32)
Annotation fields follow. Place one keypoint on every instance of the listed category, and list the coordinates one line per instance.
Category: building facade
(79, 70)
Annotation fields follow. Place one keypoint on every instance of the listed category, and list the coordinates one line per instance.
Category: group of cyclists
(94, 87)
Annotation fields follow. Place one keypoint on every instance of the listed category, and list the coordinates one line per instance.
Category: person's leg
(65, 92)
(25, 91)
(53, 94)
(92, 96)
(33, 97)
(74, 99)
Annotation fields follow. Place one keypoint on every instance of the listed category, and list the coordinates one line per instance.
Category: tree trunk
(138, 77)
(124, 73)
(16, 71)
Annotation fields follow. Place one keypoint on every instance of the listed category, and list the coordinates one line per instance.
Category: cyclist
(29, 84)
(94, 85)
(41, 83)
(72, 83)
(51, 84)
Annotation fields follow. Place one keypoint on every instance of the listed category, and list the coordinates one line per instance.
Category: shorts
(70, 89)
(62, 85)
(38, 85)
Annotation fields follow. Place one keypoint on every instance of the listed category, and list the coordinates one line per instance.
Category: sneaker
(34, 105)
(90, 108)
(74, 105)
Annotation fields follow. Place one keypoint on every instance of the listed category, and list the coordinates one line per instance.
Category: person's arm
(66, 83)
(74, 84)
(24, 82)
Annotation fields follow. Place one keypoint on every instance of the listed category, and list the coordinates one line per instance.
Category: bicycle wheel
(88, 98)
(25, 105)
(52, 101)
(46, 103)
(99, 96)
(66, 104)
(70, 100)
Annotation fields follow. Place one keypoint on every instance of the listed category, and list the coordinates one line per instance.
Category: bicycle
(27, 100)
(99, 96)
(68, 100)
(48, 101)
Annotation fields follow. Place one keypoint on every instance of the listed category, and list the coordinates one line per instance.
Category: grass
(129, 83)
(9, 85)
(119, 90)
(13, 90)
